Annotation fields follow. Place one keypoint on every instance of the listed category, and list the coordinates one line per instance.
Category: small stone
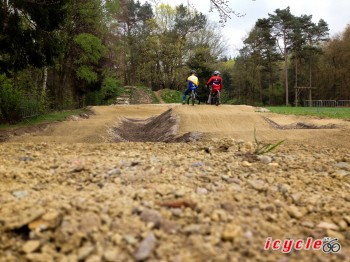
(192, 229)
(201, 191)
(39, 257)
(265, 159)
(342, 225)
(232, 232)
(176, 212)
(179, 193)
(337, 235)
(130, 239)
(294, 212)
(110, 255)
(146, 248)
(342, 173)
(20, 194)
(84, 252)
(93, 258)
(271, 217)
(31, 246)
(308, 224)
(225, 177)
(283, 188)
(342, 165)
(347, 219)
(258, 185)
(246, 164)
(151, 216)
(326, 225)
(114, 172)
(296, 197)
(117, 239)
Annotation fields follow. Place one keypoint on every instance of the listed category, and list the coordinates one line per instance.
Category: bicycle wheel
(217, 102)
(214, 98)
(193, 97)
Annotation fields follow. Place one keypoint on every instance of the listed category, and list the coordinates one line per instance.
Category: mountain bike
(215, 97)
(193, 97)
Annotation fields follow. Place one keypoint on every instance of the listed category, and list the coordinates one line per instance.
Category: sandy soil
(236, 122)
(69, 193)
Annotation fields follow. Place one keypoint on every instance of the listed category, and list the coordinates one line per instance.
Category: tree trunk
(310, 83)
(286, 66)
(43, 90)
(296, 72)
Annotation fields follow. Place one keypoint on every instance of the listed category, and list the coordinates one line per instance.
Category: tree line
(63, 54)
(284, 51)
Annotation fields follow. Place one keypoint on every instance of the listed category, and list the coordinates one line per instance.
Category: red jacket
(215, 82)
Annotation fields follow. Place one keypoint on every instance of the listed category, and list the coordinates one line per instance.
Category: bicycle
(215, 97)
(193, 97)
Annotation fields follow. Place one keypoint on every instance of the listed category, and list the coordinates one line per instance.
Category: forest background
(64, 54)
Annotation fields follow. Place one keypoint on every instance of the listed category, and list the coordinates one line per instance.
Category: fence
(30, 106)
(327, 103)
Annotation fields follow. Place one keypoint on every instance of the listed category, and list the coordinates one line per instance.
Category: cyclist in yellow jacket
(192, 85)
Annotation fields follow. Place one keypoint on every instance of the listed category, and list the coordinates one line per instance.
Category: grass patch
(171, 96)
(49, 117)
(322, 112)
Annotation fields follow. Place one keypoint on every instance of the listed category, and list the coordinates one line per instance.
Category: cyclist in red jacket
(215, 84)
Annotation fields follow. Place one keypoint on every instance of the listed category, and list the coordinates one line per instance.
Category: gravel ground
(212, 200)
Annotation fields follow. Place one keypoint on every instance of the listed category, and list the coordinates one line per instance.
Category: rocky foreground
(200, 201)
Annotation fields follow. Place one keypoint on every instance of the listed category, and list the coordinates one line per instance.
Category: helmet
(193, 72)
(216, 73)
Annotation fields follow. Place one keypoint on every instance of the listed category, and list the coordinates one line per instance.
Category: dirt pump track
(187, 188)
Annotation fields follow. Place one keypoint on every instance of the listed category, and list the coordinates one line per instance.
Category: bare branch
(223, 9)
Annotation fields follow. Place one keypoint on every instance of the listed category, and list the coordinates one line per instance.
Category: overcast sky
(335, 12)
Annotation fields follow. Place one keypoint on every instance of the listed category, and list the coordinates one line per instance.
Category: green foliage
(106, 95)
(28, 33)
(86, 73)
(263, 148)
(170, 96)
(48, 117)
(326, 112)
(10, 101)
(92, 48)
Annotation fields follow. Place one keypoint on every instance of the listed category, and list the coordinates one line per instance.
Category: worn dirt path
(67, 193)
(236, 122)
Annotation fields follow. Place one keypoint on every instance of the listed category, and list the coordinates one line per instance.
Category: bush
(106, 95)
(110, 90)
(171, 96)
(10, 101)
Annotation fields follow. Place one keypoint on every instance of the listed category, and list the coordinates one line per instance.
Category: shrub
(10, 101)
(171, 96)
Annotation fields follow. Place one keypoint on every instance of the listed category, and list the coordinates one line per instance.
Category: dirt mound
(299, 125)
(162, 128)
(140, 96)
(20, 131)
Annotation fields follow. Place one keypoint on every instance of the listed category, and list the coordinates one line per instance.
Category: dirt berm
(184, 184)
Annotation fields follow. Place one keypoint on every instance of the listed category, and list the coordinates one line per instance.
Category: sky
(334, 12)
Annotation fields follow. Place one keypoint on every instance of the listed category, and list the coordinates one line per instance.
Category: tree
(282, 27)
(28, 33)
